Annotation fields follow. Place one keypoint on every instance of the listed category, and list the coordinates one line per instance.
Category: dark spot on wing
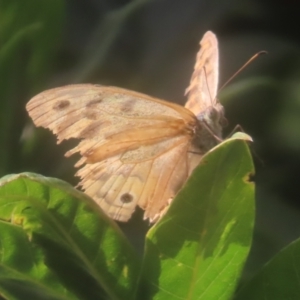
(91, 115)
(126, 198)
(94, 102)
(127, 105)
(92, 130)
(61, 105)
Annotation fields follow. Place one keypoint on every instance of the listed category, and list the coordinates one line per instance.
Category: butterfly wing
(134, 148)
(203, 86)
(121, 182)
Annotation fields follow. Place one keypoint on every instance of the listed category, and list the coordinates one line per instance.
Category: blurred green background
(150, 46)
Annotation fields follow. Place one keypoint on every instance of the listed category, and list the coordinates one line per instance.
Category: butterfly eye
(214, 114)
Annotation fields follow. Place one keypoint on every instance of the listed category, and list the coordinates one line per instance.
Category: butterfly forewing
(203, 86)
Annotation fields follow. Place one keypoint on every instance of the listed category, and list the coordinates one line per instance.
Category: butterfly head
(213, 117)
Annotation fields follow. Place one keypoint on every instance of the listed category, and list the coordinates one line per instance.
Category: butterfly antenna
(243, 67)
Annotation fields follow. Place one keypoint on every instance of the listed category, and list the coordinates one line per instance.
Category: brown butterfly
(136, 149)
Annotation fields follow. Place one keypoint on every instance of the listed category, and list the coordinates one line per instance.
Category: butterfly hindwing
(120, 183)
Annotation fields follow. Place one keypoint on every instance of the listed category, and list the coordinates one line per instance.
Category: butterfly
(136, 150)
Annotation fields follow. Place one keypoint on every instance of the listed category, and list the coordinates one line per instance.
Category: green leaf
(278, 279)
(56, 242)
(23, 275)
(198, 249)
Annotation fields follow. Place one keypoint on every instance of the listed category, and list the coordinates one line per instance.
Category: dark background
(150, 46)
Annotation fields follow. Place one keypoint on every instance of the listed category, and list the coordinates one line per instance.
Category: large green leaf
(278, 280)
(56, 242)
(198, 249)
